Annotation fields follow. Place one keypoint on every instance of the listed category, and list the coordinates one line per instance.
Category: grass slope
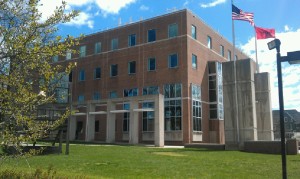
(144, 162)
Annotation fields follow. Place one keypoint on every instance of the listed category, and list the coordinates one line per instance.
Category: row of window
(172, 63)
(150, 90)
(209, 44)
(132, 41)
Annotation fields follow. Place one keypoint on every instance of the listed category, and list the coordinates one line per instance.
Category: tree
(27, 46)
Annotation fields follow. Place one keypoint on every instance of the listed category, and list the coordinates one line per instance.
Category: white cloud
(286, 28)
(105, 7)
(212, 4)
(267, 62)
(113, 6)
(144, 8)
(186, 3)
(82, 19)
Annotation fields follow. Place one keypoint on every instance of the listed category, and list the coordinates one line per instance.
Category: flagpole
(257, 66)
(235, 83)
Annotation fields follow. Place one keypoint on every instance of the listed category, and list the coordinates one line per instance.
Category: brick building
(176, 55)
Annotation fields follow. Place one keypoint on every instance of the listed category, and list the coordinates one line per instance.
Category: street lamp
(292, 58)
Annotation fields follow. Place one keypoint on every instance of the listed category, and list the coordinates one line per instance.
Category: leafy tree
(27, 46)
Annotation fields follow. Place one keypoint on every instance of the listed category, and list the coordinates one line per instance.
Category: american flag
(238, 14)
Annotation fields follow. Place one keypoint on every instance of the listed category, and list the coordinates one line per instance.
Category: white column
(159, 134)
(110, 122)
(90, 123)
(133, 123)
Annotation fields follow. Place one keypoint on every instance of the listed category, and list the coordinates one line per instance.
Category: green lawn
(144, 162)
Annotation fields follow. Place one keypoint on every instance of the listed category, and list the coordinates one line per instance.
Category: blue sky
(283, 15)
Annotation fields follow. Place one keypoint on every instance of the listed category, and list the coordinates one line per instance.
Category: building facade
(176, 55)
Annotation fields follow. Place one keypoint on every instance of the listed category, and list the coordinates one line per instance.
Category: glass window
(229, 55)
(97, 124)
(150, 90)
(173, 115)
(197, 116)
(194, 61)
(97, 47)
(215, 86)
(82, 51)
(209, 42)
(151, 35)
(148, 117)
(235, 57)
(131, 67)
(151, 64)
(81, 75)
(97, 73)
(173, 61)
(173, 30)
(68, 55)
(194, 32)
(196, 92)
(114, 44)
(113, 70)
(130, 92)
(172, 90)
(222, 50)
(131, 40)
(126, 117)
(55, 58)
(113, 94)
(80, 98)
(96, 95)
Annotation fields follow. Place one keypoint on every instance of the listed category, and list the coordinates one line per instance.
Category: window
(113, 70)
(114, 44)
(97, 124)
(80, 98)
(126, 117)
(194, 32)
(79, 129)
(172, 107)
(81, 75)
(97, 47)
(113, 94)
(229, 55)
(235, 57)
(151, 35)
(148, 117)
(68, 55)
(96, 96)
(130, 92)
(131, 40)
(222, 50)
(71, 76)
(173, 30)
(172, 91)
(151, 64)
(173, 61)
(194, 61)
(209, 43)
(215, 86)
(131, 67)
(82, 51)
(150, 90)
(55, 58)
(196, 113)
(97, 73)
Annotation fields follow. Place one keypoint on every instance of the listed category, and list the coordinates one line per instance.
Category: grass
(143, 162)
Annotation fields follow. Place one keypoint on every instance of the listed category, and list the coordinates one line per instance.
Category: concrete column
(90, 123)
(110, 122)
(242, 127)
(72, 131)
(133, 123)
(263, 107)
(159, 125)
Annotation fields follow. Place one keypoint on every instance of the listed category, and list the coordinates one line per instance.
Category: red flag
(263, 33)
